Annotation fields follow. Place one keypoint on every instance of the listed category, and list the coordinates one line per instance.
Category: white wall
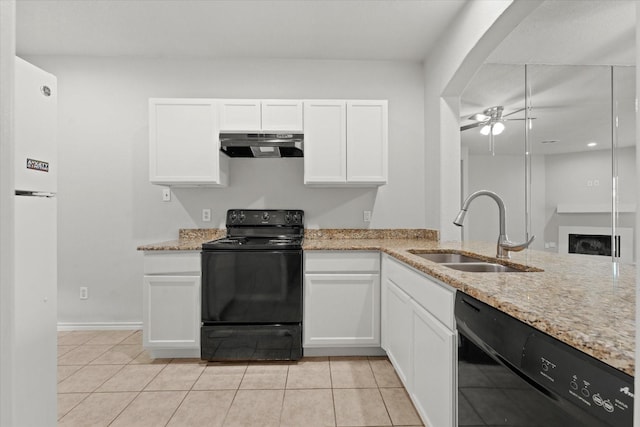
(504, 175)
(567, 181)
(107, 206)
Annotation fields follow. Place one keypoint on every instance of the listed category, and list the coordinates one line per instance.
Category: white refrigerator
(35, 321)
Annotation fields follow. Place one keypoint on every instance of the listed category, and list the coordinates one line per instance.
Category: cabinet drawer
(341, 261)
(437, 298)
(172, 262)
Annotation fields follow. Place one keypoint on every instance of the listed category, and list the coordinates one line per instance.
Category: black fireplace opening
(592, 244)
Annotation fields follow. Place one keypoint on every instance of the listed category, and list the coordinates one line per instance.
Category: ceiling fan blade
(471, 126)
(514, 112)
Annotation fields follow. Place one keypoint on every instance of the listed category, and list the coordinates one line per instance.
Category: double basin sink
(461, 262)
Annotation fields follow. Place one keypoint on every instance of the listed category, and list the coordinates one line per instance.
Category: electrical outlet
(366, 216)
(206, 215)
(166, 194)
(84, 292)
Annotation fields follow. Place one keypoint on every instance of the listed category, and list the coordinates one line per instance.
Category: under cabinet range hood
(261, 144)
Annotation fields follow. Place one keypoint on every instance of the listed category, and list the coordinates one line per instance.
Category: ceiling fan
(490, 121)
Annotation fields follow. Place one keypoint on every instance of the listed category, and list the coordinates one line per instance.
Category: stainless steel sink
(482, 267)
(441, 258)
(468, 263)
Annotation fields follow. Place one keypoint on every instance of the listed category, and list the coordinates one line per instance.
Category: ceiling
(297, 29)
(571, 104)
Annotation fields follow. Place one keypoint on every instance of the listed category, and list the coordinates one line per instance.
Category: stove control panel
(262, 217)
(589, 384)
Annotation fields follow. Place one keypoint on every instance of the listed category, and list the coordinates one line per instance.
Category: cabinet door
(396, 330)
(367, 142)
(183, 143)
(434, 356)
(282, 115)
(240, 115)
(325, 142)
(171, 311)
(341, 310)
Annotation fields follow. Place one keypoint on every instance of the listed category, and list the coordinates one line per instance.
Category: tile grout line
(235, 393)
(284, 392)
(137, 394)
(185, 396)
(333, 397)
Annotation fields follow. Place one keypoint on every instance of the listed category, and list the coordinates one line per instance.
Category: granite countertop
(580, 302)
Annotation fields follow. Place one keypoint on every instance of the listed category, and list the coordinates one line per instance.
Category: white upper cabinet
(367, 137)
(281, 115)
(345, 143)
(260, 115)
(325, 142)
(184, 147)
(240, 114)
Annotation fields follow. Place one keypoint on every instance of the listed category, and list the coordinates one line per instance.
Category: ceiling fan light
(485, 129)
(497, 128)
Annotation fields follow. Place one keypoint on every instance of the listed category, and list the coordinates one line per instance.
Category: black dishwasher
(511, 374)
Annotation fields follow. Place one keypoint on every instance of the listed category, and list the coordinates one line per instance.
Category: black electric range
(252, 287)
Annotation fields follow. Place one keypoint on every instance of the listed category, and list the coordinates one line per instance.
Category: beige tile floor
(105, 378)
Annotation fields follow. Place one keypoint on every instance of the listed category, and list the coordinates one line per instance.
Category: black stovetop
(261, 229)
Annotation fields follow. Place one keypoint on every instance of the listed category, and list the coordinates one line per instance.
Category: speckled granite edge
(189, 239)
(371, 233)
(204, 234)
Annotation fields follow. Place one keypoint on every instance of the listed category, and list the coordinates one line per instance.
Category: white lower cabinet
(171, 304)
(341, 301)
(434, 358)
(397, 324)
(419, 337)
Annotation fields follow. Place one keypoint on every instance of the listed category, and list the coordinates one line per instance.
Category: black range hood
(262, 144)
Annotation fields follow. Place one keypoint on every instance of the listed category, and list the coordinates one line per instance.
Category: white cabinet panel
(240, 115)
(171, 311)
(434, 356)
(367, 137)
(342, 261)
(397, 339)
(341, 310)
(184, 147)
(281, 115)
(325, 142)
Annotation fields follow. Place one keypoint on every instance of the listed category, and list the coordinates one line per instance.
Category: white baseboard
(99, 326)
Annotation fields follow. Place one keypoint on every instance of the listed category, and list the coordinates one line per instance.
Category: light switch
(366, 216)
(166, 194)
(206, 215)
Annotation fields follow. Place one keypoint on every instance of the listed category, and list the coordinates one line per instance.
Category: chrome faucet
(504, 245)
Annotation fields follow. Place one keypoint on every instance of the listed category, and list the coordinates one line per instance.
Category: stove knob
(296, 217)
(287, 217)
(242, 217)
(233, 216)
(265, 216)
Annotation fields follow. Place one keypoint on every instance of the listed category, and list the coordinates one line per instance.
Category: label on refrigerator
(38, 165)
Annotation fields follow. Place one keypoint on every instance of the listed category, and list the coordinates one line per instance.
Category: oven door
(251, 305)
(251, 287)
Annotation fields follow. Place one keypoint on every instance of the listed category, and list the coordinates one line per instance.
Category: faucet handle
(516, 247)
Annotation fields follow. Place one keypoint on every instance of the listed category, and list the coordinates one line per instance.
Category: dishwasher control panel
(588, 383)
